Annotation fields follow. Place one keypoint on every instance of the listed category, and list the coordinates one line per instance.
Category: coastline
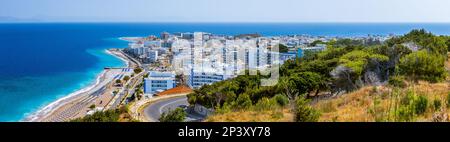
(48, 110)
(53, 106)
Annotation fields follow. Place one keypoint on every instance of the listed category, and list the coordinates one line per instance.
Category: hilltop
(402, 79)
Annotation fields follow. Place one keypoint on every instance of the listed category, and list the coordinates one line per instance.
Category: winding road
(153, 111)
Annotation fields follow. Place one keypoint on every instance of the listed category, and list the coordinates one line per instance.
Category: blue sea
(42, 62)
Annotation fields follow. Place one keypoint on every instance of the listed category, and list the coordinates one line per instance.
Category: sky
(424, 11)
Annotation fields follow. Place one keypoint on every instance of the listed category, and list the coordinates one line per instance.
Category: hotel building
(159, 81)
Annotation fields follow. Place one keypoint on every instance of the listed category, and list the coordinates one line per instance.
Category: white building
(202, 76)
(158, 81)
(152, 56)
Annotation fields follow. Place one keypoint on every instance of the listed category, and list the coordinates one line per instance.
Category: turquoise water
(40, 63)
(46, 89)
(22, 95)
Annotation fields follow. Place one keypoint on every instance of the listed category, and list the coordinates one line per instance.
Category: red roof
(176, 90)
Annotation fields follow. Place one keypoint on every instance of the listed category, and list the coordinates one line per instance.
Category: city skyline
(370, 11)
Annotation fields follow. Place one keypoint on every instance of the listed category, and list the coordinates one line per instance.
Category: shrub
(265, 104)
(118, 81)
(92, 106)
(304, 112)
(411, 105)
(281, 100)
(408, 99)
(405, 113)
(397, 81)
(225, 108)
(420, 105)
(422, 65)
(101, 116)
(243, 102)
(137, 70)
(437, 104)
(177, 115)
(126, 78)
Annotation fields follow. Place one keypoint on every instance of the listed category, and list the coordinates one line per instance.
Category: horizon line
(211, 22)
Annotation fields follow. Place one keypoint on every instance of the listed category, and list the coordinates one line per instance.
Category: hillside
(384, 103)
(284, 115)
(410, 73)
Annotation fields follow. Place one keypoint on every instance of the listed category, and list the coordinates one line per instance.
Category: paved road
(153, 111)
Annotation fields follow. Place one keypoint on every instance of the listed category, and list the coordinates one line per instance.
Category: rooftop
(176, 90)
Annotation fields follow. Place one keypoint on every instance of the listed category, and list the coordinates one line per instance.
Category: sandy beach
(77, 104)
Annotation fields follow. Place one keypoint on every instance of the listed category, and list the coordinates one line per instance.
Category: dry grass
(350, 107)
(279, 115)
(356, 106)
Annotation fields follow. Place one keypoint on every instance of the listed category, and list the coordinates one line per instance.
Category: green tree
(177, 115)
(283, 48)
(126, 78)
(281, 99)
(118, 81)
(92, 107)
(314, 43)
(287, 85)
(243, 101)
(422, 65)
(425, 40)
(101, 116)
(137, 70)
(357, 60)
(306, 82)
(448, 43)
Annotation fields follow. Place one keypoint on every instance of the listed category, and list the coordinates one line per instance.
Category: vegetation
(410, 103)
(101, 116)
(118, 81)
(422, 65)
(278, 115)
(314, 43)
(397, 81)
(126, 78)
(265, 104)
(437, 104)
(304, 112)
(92, 107)
(421, 105)
(283, 48)
(137, 70)
(447, 43)
(344, 67)
(114, 115)
(177, 115)
(281, 100)
(448, 100)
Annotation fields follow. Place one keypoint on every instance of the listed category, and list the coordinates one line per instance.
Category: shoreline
(49, 109)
